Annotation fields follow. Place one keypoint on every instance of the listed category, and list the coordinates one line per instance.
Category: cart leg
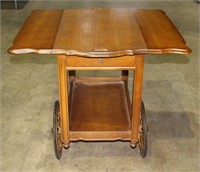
(72, 74)
(63, 96)
(136, 99)
(125, 73)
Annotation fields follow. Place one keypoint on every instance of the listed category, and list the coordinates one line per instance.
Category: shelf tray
(99, 104)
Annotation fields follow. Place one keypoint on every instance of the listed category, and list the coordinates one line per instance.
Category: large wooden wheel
(143, 132)
(57, 130)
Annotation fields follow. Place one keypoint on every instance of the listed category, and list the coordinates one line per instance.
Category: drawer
(83, 63)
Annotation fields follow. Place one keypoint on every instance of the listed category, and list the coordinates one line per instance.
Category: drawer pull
(100, 60)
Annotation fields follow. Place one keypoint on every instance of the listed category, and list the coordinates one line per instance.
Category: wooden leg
(124, 72)
(63, 97)
(137, 99)
(72, 74)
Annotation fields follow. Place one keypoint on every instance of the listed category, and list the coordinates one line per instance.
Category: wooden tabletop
(99, 32)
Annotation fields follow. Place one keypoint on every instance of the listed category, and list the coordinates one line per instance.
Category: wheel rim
(143, 132)
(57, 131)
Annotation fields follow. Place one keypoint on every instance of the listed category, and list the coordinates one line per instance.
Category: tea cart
(99, 108)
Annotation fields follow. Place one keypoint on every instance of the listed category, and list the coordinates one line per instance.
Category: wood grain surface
(99, 104)
(99, 32)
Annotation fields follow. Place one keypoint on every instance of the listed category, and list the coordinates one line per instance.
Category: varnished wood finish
(100, 135)
(137, 99)
(38, 32)
(99, 104)
(80, 63)
(99, 32)
(63, 97)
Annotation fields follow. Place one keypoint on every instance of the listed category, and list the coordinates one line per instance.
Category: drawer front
(124, 62)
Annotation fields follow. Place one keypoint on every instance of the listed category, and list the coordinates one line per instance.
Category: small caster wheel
(143, 132)
(57, 130)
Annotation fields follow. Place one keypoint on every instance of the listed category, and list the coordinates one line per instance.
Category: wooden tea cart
(99, 108)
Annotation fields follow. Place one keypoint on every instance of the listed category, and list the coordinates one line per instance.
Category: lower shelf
(99, 107)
